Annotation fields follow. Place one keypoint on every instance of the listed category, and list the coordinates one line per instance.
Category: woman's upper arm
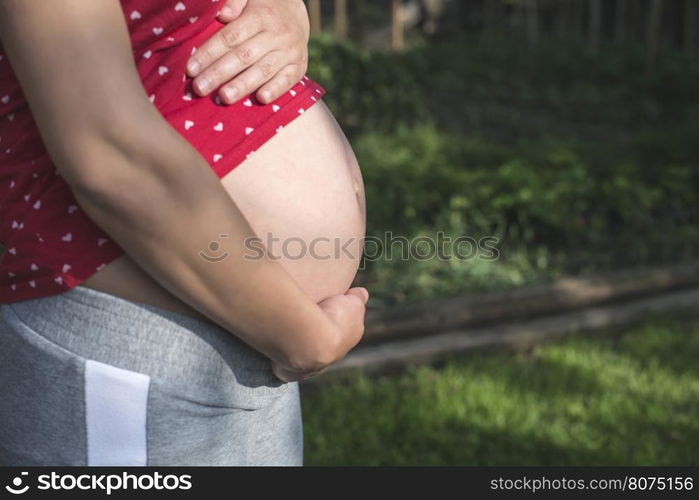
(74, 63)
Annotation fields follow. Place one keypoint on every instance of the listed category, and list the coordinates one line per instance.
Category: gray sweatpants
(87, 378)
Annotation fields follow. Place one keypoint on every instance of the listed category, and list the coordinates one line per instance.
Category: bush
(575, 161)
(367, 90)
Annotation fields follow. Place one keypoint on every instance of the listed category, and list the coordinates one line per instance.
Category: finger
(360, 292)
(232, 64)
(280, 83)
(227, 38)
(252, 78)
(231, 10)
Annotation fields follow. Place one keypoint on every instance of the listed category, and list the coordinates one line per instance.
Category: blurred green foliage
(574, 160)
(626, 400)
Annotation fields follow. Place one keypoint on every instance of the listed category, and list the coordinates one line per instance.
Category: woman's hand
(263, 48)
(347, 313)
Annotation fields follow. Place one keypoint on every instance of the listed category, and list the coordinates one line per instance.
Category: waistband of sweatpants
(143, 338)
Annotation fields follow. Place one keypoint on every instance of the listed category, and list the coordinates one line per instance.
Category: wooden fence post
(397, 35)
(532, 21)
(620, 21)
(562, 20)
(314, 14)
(595, 23)
(653, 35)
(341, 21)
(690, 18)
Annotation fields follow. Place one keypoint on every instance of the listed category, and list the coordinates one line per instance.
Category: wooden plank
(555, 297)
(514, 335)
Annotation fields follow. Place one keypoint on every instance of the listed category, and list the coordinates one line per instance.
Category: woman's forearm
(163, 204)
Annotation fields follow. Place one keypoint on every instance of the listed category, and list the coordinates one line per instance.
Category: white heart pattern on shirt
(188, 124)
(219, 127)
(162, 70)
(180, 6)
(67, 237)
(158, 30)
(135, 15)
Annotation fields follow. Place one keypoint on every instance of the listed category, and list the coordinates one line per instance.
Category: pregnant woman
(177, 255)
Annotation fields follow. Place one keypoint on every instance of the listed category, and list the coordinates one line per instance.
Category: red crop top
(51, 245)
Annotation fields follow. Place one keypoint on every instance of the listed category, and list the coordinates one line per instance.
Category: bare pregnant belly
(302, 193)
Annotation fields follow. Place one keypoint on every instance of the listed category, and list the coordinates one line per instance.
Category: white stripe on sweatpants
(116, 403)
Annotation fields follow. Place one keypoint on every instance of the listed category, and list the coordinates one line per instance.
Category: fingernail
(364, 292)
(226, 11)
(266, 95)
(203, 85)
(193, 67)
(230, 94)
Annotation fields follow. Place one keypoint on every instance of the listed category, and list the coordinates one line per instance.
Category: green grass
(631, 399)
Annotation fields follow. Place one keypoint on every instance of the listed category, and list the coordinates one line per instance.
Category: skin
(115, 150)
(263, 48)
